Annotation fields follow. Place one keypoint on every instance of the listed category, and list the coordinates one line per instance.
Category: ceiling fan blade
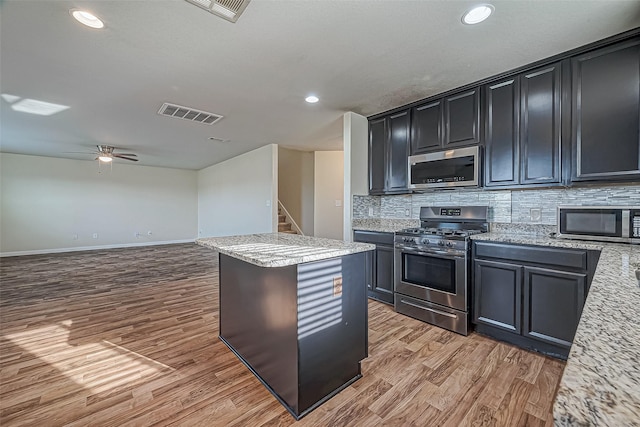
(120, 156)
(126, 154)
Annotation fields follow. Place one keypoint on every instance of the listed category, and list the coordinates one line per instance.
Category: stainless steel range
(432, 265)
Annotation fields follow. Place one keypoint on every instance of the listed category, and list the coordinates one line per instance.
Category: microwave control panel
(635, 223)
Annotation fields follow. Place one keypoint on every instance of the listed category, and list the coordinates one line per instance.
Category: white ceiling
(363, 56)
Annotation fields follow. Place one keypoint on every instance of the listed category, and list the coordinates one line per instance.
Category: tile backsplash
(505, 206)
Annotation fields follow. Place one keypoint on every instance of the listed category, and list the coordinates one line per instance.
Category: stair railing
(290, 219)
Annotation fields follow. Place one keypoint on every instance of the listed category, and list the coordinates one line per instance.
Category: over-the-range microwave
(451, 168)
(606, 223)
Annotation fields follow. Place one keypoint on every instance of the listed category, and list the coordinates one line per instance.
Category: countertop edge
(281, 250)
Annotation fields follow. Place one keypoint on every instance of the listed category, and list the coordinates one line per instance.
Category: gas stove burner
(444, 232)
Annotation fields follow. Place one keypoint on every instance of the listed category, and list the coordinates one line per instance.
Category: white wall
(239, 196)
(308, 194)
(295, 186)
(46, 202)
(356, 165)
(329, 191)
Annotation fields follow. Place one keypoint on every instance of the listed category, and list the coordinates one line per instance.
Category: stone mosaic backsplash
(505, 206)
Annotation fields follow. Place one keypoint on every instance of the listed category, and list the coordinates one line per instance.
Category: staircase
(283, 225)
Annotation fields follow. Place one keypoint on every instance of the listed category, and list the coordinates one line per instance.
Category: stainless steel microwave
(607, 223)
(441, 169)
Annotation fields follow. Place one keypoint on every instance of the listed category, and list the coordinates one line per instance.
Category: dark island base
(301, 329)
(273, 392)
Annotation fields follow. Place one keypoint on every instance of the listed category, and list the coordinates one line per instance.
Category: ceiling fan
(106, 154)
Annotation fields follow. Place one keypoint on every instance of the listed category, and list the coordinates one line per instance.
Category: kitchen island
(600, 385)
(294, 310)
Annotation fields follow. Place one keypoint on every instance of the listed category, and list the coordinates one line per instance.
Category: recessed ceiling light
(33, 106)
(312, 99)
(105, 159)
(477, 14)
(86, 18)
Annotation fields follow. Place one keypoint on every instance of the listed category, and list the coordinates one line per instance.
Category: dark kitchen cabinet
(552, 305)
(566, 120)
(379, 264)
(606, 113)
(462, 119)
(540, 125)
(531, 296)
(498, 289)
(523, 128)
(388, 153)
(502, 132)
(426, 127)
(441, 124)
(377, 155)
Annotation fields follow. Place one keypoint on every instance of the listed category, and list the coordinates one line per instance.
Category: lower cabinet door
(498, 295)
(553, 302)
(384, 273)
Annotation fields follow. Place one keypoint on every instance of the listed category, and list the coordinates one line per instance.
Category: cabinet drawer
(562, 257)
(374, 237)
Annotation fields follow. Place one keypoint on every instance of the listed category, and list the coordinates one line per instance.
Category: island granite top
(281, 249)
(601, 381)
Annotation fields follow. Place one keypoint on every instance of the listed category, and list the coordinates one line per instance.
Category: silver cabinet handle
(443, 313)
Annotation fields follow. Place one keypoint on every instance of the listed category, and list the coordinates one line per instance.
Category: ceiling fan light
(105, 159)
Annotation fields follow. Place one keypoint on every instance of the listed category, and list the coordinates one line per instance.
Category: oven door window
(429, 272)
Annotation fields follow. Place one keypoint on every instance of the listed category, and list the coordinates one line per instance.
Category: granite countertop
(384, 225)
(281, 249)
(601, 381)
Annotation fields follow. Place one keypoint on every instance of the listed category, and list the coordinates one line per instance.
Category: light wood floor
(128, 337)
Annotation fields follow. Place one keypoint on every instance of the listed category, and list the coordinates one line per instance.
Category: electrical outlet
(337, 286)
(268, 202)
(370, 211)
(338, 203)
(95, 235)
(407, 212)
(74, 237)
(536, 214)
(137, 234)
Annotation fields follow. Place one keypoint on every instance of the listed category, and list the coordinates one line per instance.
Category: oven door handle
(442, 313)
(437, 254)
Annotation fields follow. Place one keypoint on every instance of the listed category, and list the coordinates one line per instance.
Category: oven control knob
(425, 241)
(441, 243)
(449, 244)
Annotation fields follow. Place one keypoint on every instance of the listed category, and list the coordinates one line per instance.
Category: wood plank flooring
(128, 337)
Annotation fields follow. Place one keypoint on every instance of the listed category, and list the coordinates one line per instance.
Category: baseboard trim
(92, 248)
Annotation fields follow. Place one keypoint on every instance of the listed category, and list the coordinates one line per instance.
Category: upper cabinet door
(377, 156)
(398, 152)
(540, 125)
(426, 127)
(502, 107)
(606, 113)
(462, 119)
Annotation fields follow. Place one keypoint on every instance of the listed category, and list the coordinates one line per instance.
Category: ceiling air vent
(227, 9)
(186, 113)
